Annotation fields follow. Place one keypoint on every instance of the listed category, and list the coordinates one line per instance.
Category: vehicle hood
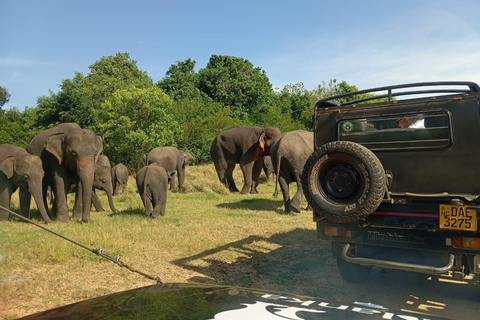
(202, 301)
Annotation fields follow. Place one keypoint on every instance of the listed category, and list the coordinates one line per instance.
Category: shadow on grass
(132, 212)
(255, 204)
(297, 262)
(296, 257)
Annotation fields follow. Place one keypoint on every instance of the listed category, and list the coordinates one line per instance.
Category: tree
(181, 81)
(235, 82)
(4, 96)
(297, 98)
(333, 88)
(201, 121)
(134, 121)
(80, 96)
(18, 127)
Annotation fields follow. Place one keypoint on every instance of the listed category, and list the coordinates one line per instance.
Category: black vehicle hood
(202, 301)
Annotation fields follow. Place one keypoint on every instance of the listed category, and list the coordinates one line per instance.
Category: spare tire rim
(340, 182)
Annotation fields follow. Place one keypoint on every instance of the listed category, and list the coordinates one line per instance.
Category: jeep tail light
(337, 232)
(467, 243)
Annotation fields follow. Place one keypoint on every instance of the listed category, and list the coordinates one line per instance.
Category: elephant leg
(247, 169)
(257, 170)
(181, 178)
(116, 187)
(47, 195)
(229, 182)
(25, 200)
(77, 207)
(297, 198)
(172, 183)
(60, 198)
(148, 205)
(96, 202)
(5, 196)
(285, 192)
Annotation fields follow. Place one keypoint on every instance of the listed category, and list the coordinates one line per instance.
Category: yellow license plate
(458, 218)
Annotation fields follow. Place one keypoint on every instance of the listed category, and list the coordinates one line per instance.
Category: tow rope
(98, 252)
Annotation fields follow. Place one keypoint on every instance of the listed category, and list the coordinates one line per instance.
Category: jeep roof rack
(442, 87)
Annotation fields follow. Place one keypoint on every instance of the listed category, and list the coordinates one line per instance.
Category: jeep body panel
(429, 146)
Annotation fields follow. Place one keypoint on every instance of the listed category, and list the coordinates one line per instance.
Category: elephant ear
(187, 156)
(54, 145)
(262, 139)
(144, 157)
(8, 166)
(98, 145)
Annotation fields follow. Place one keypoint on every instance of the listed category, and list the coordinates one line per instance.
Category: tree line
(186, 109)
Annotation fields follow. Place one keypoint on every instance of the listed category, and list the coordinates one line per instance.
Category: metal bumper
(398, 265)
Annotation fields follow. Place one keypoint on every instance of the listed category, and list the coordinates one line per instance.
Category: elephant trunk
(109, 191)
(36, 191)
(86, 173)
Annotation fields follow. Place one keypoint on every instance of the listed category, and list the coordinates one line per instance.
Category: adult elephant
(245, 146)
(289, 155)
(119, 177)
(19, 169)
(102, 180)
(67, 152)
(172, 160)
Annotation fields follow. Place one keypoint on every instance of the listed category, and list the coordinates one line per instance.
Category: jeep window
(399, 131)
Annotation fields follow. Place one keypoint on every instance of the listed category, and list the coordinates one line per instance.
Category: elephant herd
(67, 158)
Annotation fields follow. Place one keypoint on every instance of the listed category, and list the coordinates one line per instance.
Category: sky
(368, 43)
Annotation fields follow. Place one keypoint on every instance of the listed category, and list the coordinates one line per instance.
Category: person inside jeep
(405, 122)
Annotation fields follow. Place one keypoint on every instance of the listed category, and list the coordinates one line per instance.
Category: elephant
(19, 169)
(119, 177)
(246, 146)
(152, 184)
(289, 155)
(172, 159)
(268, 167)
(68, 151)
(102, 180)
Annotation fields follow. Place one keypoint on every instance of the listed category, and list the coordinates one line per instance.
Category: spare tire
(343, 181)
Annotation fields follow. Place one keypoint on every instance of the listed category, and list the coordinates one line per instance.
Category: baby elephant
(152, 184)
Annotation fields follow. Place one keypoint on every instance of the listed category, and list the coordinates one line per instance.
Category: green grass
(207, 235)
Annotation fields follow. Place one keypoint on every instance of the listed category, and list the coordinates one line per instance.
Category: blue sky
(367, 43)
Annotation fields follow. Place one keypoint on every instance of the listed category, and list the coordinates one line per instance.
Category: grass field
(208, 235)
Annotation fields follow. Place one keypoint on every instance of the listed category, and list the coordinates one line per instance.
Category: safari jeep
(394, 180)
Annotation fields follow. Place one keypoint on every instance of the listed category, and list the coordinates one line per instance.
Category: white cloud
(414, 47)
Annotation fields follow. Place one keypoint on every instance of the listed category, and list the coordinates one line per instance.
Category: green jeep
(394, 180)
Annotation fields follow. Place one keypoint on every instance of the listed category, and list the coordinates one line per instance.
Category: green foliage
(333, 88)
(4, 96)
(272, 116)
(60, 107)
(297, 98)
(134, 121)
(80, 96)
(186, 109)
(181, 81)
(235, 82)
(201, 122)
(17, 127)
